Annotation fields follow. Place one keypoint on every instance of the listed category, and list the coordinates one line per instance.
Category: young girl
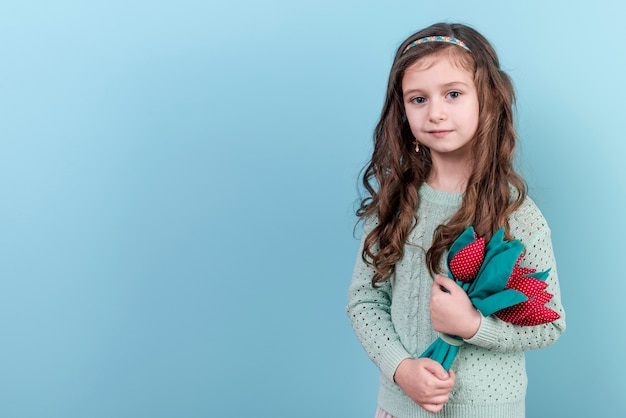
(442, 161)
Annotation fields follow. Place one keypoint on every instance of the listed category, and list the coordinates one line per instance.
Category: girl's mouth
(439, 134)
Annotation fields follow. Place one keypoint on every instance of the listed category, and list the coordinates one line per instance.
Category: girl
(442, 161)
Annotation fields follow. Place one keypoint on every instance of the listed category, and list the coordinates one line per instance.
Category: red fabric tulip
(531, 312)
(466, 263)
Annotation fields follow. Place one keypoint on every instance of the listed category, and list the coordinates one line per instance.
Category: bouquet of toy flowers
(496, 285)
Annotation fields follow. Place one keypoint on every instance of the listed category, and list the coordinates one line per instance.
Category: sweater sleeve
(369, 310)
(498, 335)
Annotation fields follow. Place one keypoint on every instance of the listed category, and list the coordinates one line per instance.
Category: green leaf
(498, 301)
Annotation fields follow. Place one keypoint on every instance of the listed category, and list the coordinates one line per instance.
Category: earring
(417, 146)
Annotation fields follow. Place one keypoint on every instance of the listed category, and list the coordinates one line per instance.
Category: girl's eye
(454, 94)
(418, 100)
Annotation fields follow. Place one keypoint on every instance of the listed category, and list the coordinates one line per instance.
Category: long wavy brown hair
(393, 176)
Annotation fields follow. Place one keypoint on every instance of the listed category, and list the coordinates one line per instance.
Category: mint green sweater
(393, 322)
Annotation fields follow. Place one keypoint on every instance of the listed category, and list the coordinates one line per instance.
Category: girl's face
(441, 105)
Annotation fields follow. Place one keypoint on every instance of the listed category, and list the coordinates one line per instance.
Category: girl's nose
(437, 111)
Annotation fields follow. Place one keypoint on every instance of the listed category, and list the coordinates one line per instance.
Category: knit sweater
(392, 322)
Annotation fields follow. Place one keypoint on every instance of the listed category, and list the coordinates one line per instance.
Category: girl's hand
(426, 382)
(451, 310)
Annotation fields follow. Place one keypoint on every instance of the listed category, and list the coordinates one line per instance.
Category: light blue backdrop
(177, 185)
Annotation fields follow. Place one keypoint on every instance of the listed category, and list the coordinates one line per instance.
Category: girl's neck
(449, 176)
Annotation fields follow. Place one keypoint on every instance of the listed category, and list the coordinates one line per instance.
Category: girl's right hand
(426, 382)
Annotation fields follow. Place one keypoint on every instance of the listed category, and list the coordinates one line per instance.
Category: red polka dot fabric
(531, 312)
(466, 263)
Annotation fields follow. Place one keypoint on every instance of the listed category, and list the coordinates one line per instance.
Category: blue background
(178, 179)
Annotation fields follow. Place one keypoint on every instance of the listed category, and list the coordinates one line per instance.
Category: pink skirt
(381, 413)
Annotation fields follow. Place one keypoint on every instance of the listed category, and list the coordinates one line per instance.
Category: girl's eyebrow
(454, 83)
(410, 92)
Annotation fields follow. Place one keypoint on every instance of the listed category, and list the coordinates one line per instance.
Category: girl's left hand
(451, 310)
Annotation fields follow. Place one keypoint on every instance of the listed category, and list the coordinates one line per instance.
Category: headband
(447, 39)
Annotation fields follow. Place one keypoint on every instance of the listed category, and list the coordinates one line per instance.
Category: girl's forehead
(448, 55)
(435, 72)
(432, 69)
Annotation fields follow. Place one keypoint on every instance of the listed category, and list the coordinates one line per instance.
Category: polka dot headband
(447, 39)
